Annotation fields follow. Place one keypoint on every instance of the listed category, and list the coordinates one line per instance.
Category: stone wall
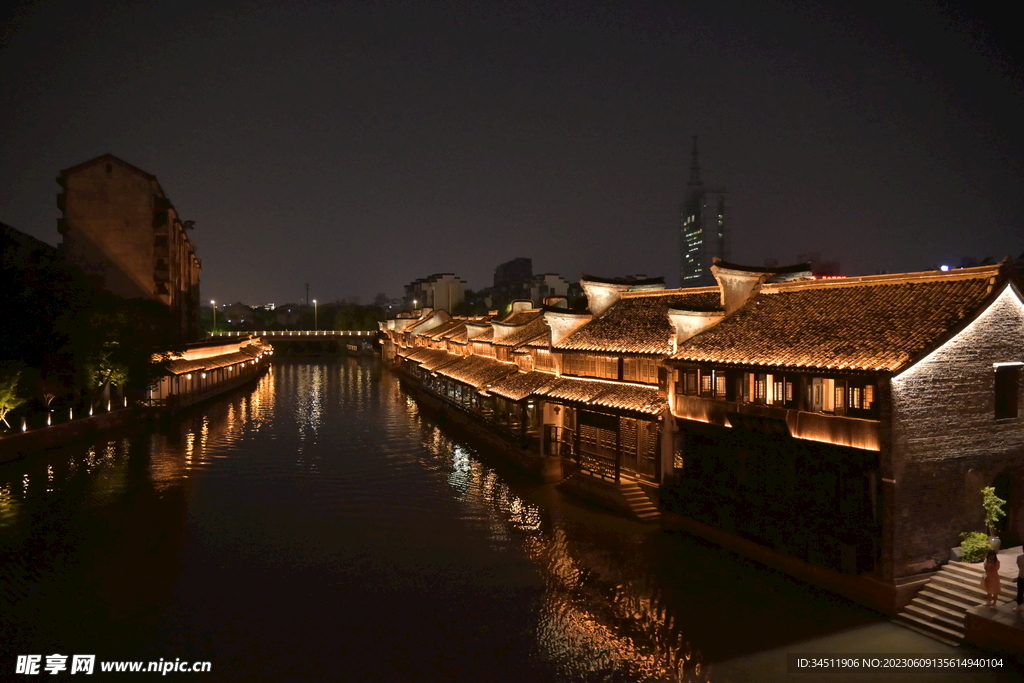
(947, 444)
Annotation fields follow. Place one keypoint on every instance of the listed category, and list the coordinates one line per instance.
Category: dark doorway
(1008, 527)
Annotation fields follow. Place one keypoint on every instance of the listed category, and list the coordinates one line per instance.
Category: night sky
(359, 146)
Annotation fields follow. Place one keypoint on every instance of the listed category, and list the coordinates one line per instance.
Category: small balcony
(835, 429)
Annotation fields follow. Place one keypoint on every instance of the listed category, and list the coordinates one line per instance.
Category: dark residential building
(119, 225)
(511, 282)
(703, 233)
(440, 290)
(18, 250)
(513, 272)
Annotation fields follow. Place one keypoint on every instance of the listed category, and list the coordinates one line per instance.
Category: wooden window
(705, 383)
(629, 369)
(606, 367)
(720, 386)
(1007, 387)
(691, 382)
(778, 390)
(854, 397)
(869, 396)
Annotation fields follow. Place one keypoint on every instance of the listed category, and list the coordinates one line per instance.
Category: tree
(10, 393)
(993, 505)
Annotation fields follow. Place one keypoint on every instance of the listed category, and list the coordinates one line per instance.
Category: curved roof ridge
(636, 294)
(978, 272)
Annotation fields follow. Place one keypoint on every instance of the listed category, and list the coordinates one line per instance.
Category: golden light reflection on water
(595, 618)
(595, 614)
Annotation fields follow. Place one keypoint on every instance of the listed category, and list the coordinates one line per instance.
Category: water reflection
(594, 622)
(320, 517)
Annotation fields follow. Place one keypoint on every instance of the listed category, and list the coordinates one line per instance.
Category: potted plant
(993, 505)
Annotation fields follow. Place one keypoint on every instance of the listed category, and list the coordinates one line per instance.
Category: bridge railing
(297, 333)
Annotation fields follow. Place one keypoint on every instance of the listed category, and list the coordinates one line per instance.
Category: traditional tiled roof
(415, 353)
(485, 336)
(183, 366)
(638, 322)
(631, 397)
(577, 390)
(530, 330)
(477, 370)
(521, 317)
(872, 323)
(445, 329)
(541, 341)
(521, 385)
(610, 395)
(432, 359)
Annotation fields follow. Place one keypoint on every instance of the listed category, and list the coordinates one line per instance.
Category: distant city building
(441, 290)
(703, 233)
(238, 315)
(547, 285)
(119, 225)
(288, 314)
(511, 282)
(513, 272)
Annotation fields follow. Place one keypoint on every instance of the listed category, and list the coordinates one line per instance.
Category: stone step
(949, 599)
(927, 602)
(975, 569)
(975, 573)
(953, 622)
(941, 633)
(967, 587)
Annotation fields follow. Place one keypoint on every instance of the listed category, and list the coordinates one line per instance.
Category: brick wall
(946, 443)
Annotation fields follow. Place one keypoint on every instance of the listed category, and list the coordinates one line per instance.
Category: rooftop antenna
(694, 167)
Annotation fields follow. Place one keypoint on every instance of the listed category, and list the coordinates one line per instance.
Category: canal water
(318, 526)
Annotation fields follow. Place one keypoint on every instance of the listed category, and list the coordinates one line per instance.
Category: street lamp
(316, 324)
(214, 304)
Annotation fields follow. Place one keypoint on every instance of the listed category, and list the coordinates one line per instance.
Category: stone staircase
(938, 609)
(626, 498)
(639, 502)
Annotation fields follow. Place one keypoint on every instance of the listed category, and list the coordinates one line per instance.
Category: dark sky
(358, 146)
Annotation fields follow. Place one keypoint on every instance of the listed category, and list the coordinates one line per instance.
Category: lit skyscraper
(703, 234)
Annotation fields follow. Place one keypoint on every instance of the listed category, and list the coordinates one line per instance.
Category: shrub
(974, 545)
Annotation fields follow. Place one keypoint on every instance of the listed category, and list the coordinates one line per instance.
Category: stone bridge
(301, 335)
(313, 342)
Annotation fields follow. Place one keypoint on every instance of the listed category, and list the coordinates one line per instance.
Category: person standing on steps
(990, 584)
(1020, 581)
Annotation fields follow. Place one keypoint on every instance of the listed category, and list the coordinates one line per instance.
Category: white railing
(299, 333)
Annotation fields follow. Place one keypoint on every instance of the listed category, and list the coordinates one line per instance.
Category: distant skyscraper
(703, 233)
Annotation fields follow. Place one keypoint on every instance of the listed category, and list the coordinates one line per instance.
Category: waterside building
(845, 426)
